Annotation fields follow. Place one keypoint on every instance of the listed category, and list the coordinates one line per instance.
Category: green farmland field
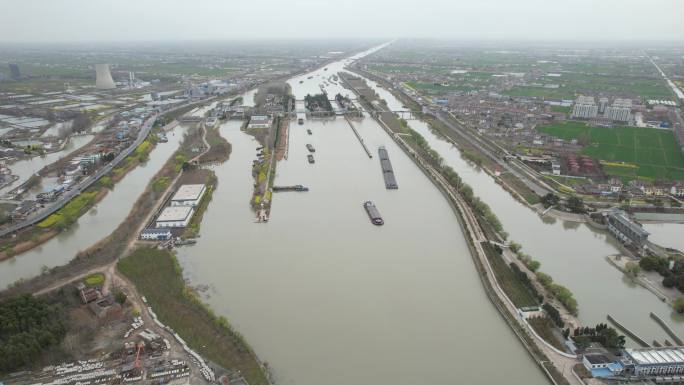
(654, 152)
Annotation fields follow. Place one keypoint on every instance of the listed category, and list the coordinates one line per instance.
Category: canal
(667, 234)
(96, 224)
(26, 167)
(572, 253)
(324, 296)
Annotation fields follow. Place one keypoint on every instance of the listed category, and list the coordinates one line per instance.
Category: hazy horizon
(35, 21)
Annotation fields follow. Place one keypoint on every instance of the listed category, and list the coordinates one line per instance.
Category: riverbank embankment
(547, 357)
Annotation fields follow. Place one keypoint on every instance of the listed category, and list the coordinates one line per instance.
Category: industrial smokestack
(103, 78)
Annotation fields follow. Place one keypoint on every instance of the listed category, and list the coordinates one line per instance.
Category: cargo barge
(387, 171)
(373, 213)
(297, 187)
(310, 148)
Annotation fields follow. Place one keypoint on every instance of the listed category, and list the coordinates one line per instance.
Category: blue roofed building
(601, 366)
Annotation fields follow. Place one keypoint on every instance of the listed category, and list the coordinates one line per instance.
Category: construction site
(115, 337)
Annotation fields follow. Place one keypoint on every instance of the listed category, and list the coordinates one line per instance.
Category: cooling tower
(103, 78)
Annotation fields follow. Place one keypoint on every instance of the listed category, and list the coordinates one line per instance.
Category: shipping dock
(387, 171)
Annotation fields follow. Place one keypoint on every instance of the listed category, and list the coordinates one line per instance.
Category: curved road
(69, 195)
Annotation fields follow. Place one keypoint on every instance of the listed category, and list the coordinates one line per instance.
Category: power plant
(103, 77)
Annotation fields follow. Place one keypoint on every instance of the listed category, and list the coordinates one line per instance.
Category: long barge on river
(387, 171)
(373, 213)
(297, 187)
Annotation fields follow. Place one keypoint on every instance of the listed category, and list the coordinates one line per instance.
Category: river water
(96, 224)
(572, 253)
(326, 297)
(666, 234)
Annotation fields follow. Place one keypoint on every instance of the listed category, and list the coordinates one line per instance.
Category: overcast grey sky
(123, 20)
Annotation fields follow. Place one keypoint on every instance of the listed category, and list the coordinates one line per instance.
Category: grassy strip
(219, 148)
(71, 211)
(96, 279)
(544, 328)
(480, 208)
(508, 280)
(562, 293)
(158, 276)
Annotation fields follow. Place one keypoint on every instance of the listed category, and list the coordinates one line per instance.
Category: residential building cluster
(585, 107)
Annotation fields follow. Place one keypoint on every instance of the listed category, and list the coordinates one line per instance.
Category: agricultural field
(627, 152)
(617, 72)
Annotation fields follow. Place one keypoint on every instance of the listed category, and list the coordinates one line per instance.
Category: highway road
(89, 181)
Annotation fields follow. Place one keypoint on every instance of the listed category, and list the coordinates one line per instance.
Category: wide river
(326, 297)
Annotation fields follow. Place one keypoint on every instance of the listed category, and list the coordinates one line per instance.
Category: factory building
(667, 360)
(585, 108)
(188, 195)
(603, 103)
(625, 230)
(175, 216)
(259, 121)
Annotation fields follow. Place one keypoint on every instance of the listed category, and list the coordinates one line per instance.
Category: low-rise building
(654, 361)
(175, 216)
(259, 121)
(188, 195)
(156, 234)
(106, 307)
(677, 189)
(601, 366)
(88, 294)
(625, 230)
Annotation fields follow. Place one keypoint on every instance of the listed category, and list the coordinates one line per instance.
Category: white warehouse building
(188, 195)
(175, 216)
